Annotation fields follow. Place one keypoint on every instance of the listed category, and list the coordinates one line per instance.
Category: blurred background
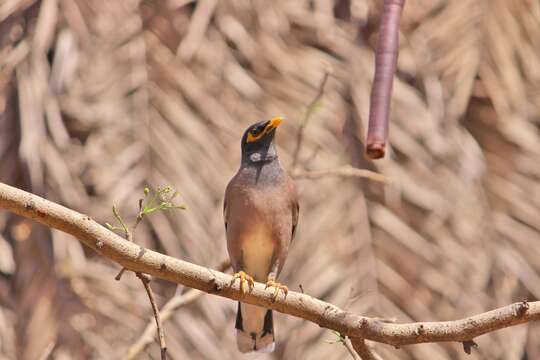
(101, 98)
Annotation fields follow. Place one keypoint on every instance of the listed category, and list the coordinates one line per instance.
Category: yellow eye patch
(251, 137)
(272, 124)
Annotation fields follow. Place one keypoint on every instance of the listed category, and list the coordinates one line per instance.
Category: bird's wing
(225, 212)
(295, 211)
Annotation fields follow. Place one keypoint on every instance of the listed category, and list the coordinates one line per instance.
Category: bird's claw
(277, 286)
(243, 277)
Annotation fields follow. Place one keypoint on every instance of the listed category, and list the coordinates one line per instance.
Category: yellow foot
(243, 279)
(277, 286)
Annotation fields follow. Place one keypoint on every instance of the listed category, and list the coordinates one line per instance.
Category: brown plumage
(261, 213)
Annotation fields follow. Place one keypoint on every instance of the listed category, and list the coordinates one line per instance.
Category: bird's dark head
(258, 142)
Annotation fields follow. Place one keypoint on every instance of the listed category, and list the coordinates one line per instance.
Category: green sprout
(340, 339)
(161, 199)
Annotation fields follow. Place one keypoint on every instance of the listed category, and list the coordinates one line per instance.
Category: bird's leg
(243, 277)
(272, 282)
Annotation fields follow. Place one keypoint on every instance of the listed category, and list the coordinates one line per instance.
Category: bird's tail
(254, 329)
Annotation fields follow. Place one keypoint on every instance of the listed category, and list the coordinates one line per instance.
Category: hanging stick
(385, 68)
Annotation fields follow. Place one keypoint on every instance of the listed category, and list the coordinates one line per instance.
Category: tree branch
(359, 345)
(139, 259)
(350, 348)
(161, 335)
(166, 313)
(145, 279)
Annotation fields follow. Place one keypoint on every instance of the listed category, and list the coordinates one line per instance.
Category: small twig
(385, 68)
(310, 109)
(350, 349)
(359, 345)
(145, 279)
(144, 209)
(166, 313)
(468, 345)
(125, 228)
(345, 171)
(146, 282)
(129, 235)
(119, 275)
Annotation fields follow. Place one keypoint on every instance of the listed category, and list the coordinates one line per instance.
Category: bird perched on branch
(261, 213)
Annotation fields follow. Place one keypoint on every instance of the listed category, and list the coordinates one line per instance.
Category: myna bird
(261, 213)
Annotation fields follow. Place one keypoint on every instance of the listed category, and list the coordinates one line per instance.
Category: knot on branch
(363, 323)
(468, 345)
(521, 308)
(30, 205)
(214, 286)
(144, 277)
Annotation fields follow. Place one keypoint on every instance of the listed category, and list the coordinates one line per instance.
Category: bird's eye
(255, 133)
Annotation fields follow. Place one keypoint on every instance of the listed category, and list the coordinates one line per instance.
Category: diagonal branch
(139, 259)
(159, 325)
(310, 109)
(350, 348)
(359, 345)
(166, 312)
(145, 279)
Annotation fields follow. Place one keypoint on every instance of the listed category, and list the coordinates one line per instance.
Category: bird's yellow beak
(274, 123)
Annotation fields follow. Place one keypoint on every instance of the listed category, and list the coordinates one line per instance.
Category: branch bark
(139, 259)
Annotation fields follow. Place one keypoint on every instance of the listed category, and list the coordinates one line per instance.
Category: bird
(261, 215)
